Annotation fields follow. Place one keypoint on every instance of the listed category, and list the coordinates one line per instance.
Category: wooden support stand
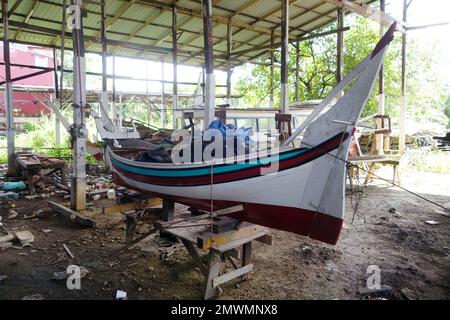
(372, 163)
(222, 245)
(225, 239)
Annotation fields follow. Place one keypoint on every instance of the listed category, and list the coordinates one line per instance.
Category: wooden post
(272, 68)
(163, 95)
(210, 88)
(9, 99)
(168, 210)
(78, 191)
(56, 99)
(297, 71)
(55, 74)
(340, 46)
(246, 256)
(63, 39)
(104, 94)
(229, 70)
(402, 139)
(214, 264)
(175, 63)
(285, 56)
(381, 96)
(204, 83)
(114, 80)
(57, 123)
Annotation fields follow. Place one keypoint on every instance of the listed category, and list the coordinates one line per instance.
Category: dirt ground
(412, 255)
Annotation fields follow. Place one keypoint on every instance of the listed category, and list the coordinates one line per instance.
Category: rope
(211, 196)
(383, 179)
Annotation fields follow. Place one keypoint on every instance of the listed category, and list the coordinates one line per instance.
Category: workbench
(35, 167)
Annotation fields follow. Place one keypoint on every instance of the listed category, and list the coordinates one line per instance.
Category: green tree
(427, 88)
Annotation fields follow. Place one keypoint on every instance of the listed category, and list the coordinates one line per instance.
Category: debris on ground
(62, 275)
(121, 295)
(111, 194)
(72, 215)
(5, 236)
(25, 237)
(432, 223)
(68, 251)
(409, 294)
(384, 289)
(442, 213)
(13, 186)
(9, 196)
(36, 296)
(12, 215)
(46, 231)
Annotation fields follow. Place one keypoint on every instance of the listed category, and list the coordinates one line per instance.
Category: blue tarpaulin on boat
(229, 131)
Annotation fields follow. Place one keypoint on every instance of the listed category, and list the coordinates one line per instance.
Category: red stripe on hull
(236, 175)
(316, 225)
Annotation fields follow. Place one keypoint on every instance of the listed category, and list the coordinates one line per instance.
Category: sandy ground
(412, 255)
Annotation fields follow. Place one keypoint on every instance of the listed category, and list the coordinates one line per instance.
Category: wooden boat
(304, 196)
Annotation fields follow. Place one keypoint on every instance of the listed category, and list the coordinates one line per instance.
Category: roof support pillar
(297, 71)
(381, 95)
(163, 95)
(62, 48)
(175, 63)
(285, 56)
(210, 88)
(78, 130)
(103, 31)
(9, 102)
(229, 67)
(340, 45)
(57, 99)
(114, 93)
(402, 139)
(272, 67)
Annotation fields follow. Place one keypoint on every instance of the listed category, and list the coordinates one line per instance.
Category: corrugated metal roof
(144, 27)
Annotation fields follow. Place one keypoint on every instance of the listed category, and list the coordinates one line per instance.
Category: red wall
(24, 103)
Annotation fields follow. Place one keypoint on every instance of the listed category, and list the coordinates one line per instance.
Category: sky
(421, 12)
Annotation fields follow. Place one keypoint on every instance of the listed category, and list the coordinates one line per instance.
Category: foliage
(426, 88)
(447, 110)
(428, 160)
(40, 137)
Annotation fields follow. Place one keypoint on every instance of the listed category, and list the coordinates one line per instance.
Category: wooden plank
(129, 206)
(225, 247)
(178, 221)
(189, 234)
(72, 215)
(222, 212)
(215, 263)
(232, 275)
(216, 240)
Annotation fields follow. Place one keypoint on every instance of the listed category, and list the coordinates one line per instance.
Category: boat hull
(316, 225)
(269, 199)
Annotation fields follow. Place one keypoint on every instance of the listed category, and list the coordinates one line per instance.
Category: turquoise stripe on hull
(203, 170)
